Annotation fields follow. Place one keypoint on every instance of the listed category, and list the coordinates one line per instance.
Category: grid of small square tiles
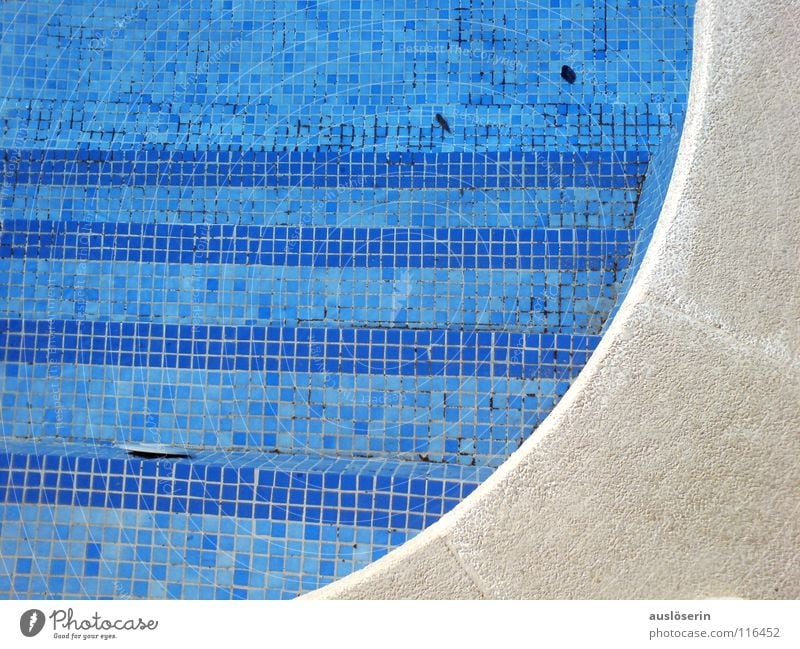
(351, 254)
(648, 209)
(89, 522)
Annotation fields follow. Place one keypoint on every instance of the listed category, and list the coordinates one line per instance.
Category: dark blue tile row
(380, 501)
(503, 169)
(296, 349)
(496, 248)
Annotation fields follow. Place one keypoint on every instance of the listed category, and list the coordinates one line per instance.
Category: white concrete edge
(399, 573)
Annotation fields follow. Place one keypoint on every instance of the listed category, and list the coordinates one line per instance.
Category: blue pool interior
(239, 229)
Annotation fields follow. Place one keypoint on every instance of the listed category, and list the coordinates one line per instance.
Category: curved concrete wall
(670, 469)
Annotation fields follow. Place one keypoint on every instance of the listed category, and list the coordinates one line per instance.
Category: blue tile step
(265, 486)
(440, 170)
(218, 524)
(320, 247)
(574, 120)
(389, 352)
(549, 207)
(456, 396)
(542, 301)
(533, 279)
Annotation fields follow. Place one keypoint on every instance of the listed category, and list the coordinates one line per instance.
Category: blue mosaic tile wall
(345, 255)
(648, 209)
(83, 520)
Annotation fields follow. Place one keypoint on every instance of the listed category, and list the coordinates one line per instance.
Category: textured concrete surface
(672, 467)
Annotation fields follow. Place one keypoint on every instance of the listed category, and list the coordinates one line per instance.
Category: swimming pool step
(456, 396)
(368, 372)
(407, 277)
(224, 524)
(354, 189)
(238, 294)
(336, 386)
(266, 486)
(353, 169)
(342, 206)
(320, 247)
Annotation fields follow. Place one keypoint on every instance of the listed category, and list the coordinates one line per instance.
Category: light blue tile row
(567, 301)
(94, 552)
(345, 207)
(456, 419)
